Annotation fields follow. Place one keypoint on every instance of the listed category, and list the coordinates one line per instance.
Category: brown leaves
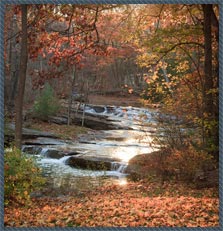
(63, 131)
(117, 206)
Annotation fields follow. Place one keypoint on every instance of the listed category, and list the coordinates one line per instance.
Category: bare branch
(165, 53)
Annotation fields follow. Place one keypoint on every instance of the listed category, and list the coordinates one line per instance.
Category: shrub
(46, 104)
(171, 164)
(186, 155)
(184, 164)
(21, 177)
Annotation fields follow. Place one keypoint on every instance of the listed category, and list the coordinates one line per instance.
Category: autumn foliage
(22, 177)
(158, 52)
(132, 205)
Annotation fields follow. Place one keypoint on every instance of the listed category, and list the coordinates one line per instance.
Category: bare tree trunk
(71, 96)
(22, 80)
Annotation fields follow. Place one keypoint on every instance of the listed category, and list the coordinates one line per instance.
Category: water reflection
(123, 181)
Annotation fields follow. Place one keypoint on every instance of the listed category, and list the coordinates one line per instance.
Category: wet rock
(72, 153)
(33, 150)
(90, 163)
(43, 141)
(97, 122)
(98, 109)
(54, 154)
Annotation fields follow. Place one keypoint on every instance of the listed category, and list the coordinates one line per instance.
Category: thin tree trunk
(22, 80)
(14, 66)
(71, 97)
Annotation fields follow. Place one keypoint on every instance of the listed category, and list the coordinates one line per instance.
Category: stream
(112, 148)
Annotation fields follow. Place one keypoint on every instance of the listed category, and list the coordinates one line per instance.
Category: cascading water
(119, 167)
(116, 146)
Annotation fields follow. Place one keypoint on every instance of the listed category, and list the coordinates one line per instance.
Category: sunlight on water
(123, 181)
(127, 153)
(134, 137)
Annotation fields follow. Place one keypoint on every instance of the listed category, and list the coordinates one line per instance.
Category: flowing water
(117, 146)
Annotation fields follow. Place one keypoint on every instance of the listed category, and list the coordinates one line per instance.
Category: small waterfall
(118, 167)
(43, 151)
(122, 168)
(105, 110)
(115, 166)
(63, 159)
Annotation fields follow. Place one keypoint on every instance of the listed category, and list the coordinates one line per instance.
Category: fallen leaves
(63, 131)
(114, 206)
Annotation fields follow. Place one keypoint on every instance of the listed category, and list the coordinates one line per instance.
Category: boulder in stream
(98, 108)
(57, 154)
(54, 154)
(32, 150)
(90, 163)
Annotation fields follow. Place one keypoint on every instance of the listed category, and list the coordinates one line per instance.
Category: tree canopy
(167, 53)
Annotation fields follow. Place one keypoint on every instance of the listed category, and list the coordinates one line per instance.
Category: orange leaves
(46, 208)
(51, 219)
(187, 215)
(117, 206)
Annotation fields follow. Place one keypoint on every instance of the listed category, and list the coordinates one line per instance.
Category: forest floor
(145, 203)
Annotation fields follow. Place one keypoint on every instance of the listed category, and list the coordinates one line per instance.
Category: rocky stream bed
(102, 154)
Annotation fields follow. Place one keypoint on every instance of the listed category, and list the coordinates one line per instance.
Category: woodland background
(165, 55)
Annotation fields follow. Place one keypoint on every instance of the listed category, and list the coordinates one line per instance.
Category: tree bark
(208, 80)
(22, 80)
(14, 65)
(210, 108)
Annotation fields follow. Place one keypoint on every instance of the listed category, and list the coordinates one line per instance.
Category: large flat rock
(27, 133)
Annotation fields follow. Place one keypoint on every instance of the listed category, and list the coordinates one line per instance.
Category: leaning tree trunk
(22, 80)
